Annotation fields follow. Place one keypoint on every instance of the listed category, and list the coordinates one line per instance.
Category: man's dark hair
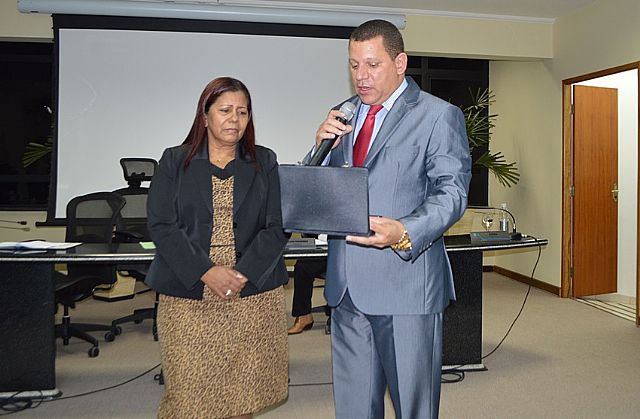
(391, 36)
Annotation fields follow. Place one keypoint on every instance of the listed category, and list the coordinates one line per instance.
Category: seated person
(304, 272)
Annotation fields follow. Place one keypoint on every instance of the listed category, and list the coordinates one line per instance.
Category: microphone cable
(15, 404)
(524, 302)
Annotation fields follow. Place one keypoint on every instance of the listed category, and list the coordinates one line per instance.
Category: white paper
(36, 245)
(321, 240)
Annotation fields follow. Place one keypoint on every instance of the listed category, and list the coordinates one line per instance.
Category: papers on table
(36, 245)
(321, 240)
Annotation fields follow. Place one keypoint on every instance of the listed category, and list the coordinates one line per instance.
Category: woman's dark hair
(198, 134)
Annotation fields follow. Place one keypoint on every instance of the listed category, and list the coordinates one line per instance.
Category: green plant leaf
(35, 151)
(479, 124)
(506, 173)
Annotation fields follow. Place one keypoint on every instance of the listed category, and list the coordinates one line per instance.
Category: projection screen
(129, 93)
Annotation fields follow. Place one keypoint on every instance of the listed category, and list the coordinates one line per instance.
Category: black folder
(325, 200)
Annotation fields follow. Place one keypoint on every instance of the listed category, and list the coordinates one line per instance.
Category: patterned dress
(222, 358)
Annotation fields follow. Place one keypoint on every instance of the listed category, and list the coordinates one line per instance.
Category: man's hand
(331, 127)
(224, 282)
(386, 231)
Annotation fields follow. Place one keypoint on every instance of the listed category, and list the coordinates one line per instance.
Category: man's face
(375, 75)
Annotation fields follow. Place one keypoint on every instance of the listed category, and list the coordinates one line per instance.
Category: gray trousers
(371, 353)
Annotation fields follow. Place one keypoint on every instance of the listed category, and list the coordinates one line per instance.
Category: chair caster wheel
(94, 351)
(110, 336)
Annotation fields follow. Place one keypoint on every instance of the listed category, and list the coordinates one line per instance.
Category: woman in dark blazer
(214, 216)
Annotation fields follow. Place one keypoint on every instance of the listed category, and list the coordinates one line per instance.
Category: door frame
(567, 176)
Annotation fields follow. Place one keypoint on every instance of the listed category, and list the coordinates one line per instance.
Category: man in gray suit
(389, 289)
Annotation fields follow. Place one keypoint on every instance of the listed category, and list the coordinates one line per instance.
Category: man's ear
(401, 63)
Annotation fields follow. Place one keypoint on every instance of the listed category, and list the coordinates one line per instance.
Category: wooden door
(595, 176)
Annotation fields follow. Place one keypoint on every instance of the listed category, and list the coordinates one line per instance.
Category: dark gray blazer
(180, 217)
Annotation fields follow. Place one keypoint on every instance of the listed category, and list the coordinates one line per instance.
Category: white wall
(627, 85)
(19, 26)
(478, 38)
(529, 102)
(528, 132)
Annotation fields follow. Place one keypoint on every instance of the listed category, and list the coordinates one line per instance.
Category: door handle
(614, 192)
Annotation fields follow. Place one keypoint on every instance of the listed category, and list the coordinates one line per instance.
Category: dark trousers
(304, 272)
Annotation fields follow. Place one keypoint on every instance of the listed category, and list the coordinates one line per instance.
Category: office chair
(132, 228)
(90, 219)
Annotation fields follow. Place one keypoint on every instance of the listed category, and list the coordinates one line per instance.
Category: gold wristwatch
(404, 243)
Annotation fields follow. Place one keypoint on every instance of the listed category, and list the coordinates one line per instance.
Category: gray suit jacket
(419, 172)
(180, 216)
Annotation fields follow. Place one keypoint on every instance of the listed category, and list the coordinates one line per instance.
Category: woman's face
(227, 119)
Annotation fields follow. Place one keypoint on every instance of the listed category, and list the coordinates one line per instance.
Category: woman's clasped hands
(224, 282)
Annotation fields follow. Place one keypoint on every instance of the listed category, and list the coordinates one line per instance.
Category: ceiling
(546, 9)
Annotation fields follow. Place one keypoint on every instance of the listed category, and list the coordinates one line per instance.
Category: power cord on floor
(524, 302)
(458, 376)
(457, 369)
(14, 403)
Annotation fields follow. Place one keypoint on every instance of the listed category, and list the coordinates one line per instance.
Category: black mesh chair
(132, 228)
(90, 219)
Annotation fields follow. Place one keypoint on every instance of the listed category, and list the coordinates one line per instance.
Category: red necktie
(361, 147)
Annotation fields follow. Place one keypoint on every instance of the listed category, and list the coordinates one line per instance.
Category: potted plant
(479, 124)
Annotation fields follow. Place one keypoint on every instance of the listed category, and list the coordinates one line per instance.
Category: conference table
(27, 336)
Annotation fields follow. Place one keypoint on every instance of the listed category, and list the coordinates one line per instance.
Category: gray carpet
(622, 310)
(563, 359)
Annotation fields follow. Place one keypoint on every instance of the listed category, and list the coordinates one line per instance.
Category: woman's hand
(224, 282)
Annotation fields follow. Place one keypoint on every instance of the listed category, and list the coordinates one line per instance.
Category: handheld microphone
(515, 234)
(347, 108)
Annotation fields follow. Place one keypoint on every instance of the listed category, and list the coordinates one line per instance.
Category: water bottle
(504, 218)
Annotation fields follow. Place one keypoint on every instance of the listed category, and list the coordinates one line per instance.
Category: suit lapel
(244, 176)
(347, 149)
(391, 122)
(200, 169)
